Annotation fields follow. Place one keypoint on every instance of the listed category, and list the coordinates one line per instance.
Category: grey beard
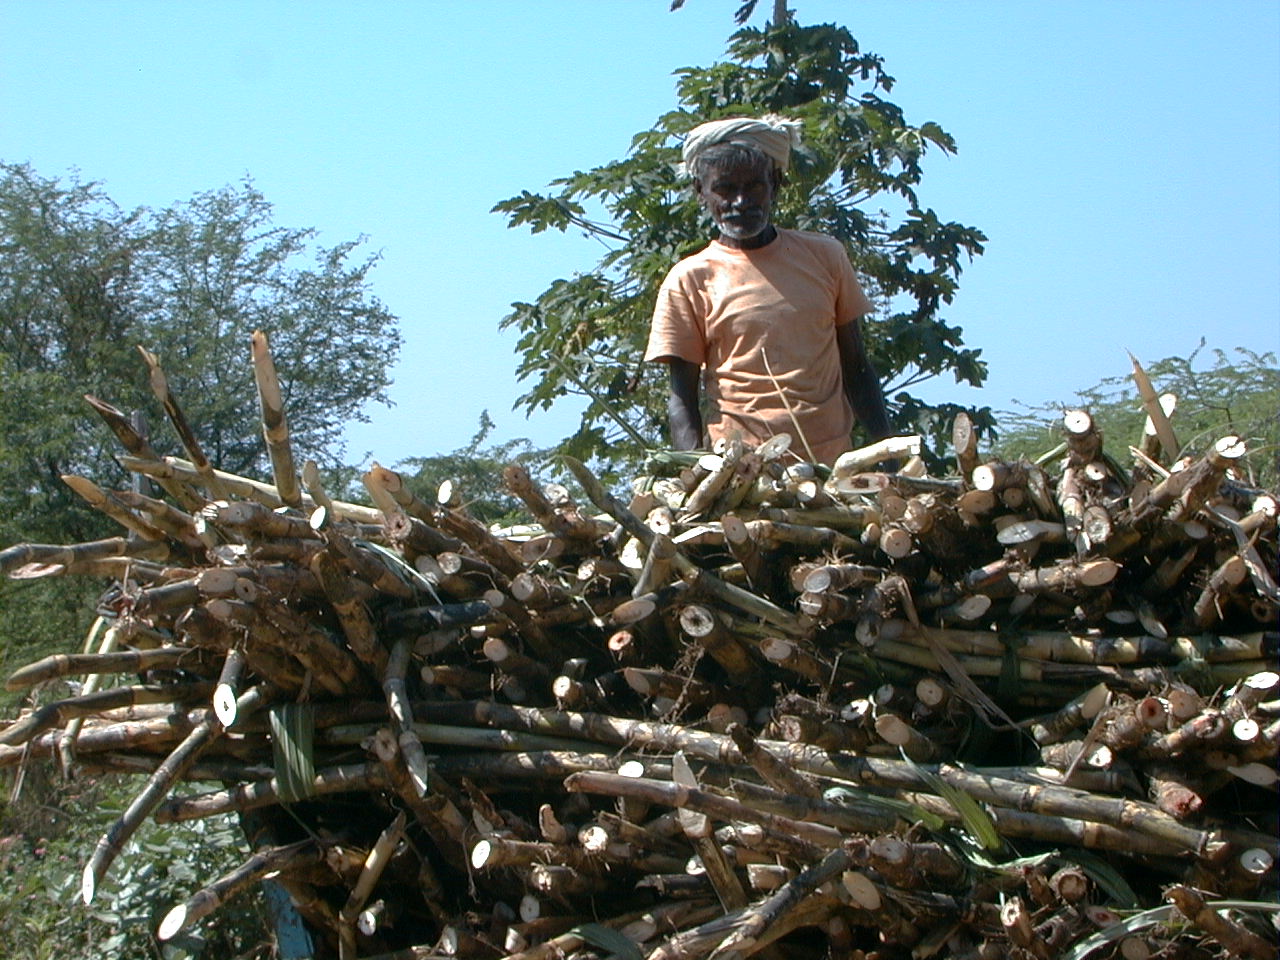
(740, 231)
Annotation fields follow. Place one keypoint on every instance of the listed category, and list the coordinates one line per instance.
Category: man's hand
(682, 405)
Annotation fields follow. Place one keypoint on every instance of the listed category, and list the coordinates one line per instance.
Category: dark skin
(740, 198)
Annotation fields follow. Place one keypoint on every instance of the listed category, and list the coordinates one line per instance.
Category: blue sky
(1122, 157)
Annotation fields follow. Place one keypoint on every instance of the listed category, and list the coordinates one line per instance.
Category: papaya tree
(855, 176)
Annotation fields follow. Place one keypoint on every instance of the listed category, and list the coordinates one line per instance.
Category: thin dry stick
(773, 771)
(661, 916)
(1235, 938)
(697, 828)
(58, 713)
(315, 488)
(697, 941)
(13, 559)
(263, 793)
(137, 445)
(797, 833)
(96, 665)
(110, 505)
(175, 468)
(783, 397)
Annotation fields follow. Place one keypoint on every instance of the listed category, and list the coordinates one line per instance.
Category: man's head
(737, 184)
(737, 166)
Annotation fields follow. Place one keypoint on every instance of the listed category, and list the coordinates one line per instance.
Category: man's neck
(761, 239)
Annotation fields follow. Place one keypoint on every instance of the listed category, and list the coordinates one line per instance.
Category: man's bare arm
(682, 405)
(861, 385)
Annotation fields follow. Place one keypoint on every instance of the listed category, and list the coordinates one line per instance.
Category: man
(770, 318)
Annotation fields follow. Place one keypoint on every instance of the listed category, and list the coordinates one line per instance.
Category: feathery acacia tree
(83, 282)
(854, 177)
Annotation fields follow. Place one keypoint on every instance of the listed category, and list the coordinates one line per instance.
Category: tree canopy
(83, 283)
(854, 177)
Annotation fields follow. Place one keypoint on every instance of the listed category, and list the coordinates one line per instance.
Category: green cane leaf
(976, 820)
(292, 735)
(606, 938)
(848, 797)
(1107, 878)
(1153, 917)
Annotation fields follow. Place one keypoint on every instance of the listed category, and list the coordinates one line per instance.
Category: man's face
(739, 197)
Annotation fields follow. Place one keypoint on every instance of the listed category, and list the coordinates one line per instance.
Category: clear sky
(1123, 157)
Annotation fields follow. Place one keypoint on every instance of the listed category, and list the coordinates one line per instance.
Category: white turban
(772, 135)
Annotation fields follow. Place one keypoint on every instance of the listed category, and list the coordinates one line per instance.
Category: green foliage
(859, 161)
(477, 471)
(44, 839)
(39, 618)
(1219, 393)
(217, 270)
(82, 283)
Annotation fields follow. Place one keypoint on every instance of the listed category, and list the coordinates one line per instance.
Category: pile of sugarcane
(753, 706)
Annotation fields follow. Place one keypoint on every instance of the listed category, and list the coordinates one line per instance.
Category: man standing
(767, 318)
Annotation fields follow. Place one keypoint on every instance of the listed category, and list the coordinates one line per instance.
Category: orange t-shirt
(743, 314)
